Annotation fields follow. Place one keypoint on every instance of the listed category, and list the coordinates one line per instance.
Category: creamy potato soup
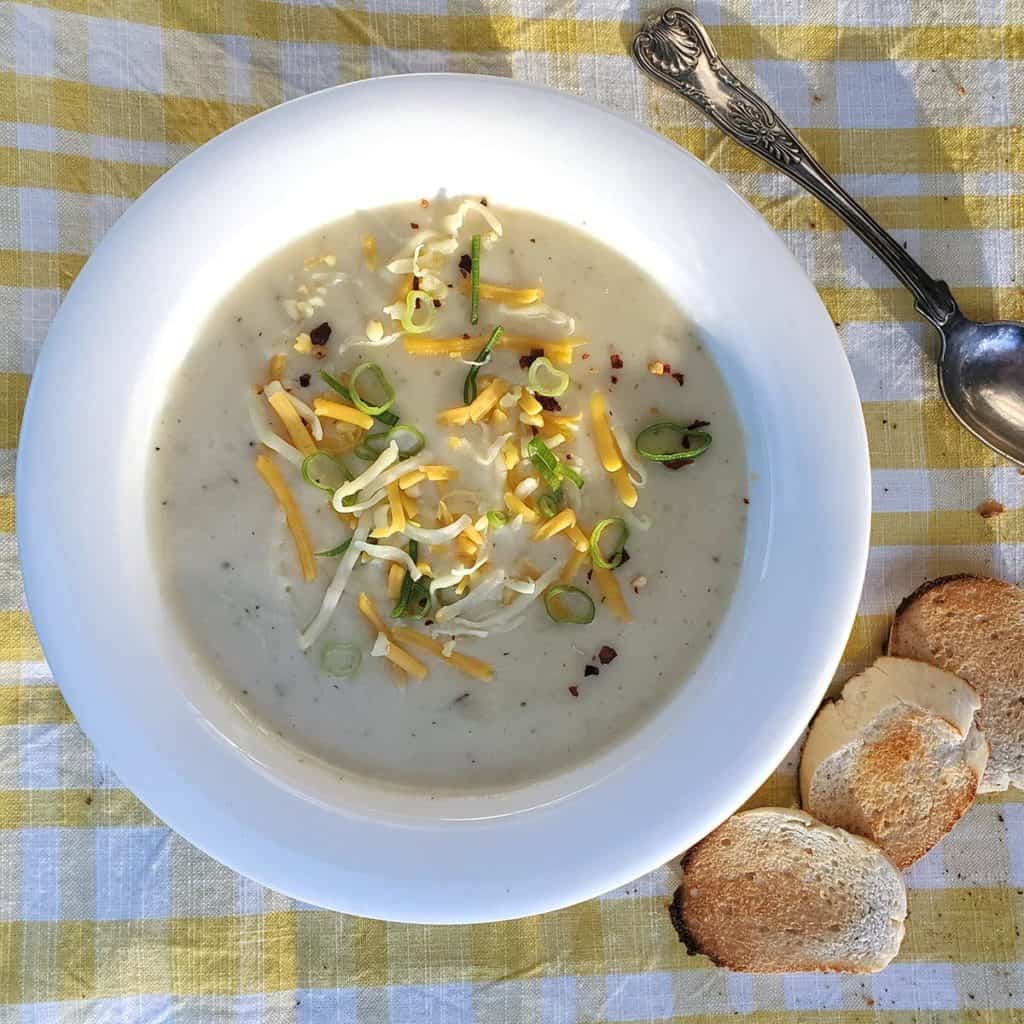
(448, 496)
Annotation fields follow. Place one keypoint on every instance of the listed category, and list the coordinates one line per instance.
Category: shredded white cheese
(267, 436)
(387, 458)
(336, 588)
(390, 554)
(442, 535)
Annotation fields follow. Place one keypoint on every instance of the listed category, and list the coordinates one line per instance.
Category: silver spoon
(981, 365)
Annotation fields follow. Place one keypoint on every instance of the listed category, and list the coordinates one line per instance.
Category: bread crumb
(638, 584)
(374, 330)
(990, 508)
(656, 366)
(303, 343)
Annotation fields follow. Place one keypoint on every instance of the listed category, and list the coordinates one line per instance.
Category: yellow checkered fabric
(105, 914)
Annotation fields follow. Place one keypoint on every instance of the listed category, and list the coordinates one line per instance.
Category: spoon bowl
(981, 377)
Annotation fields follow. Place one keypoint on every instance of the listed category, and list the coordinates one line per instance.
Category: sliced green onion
(414, 597)
(341, 660)
(408, 324)
(335, 552)
(382, 384)
(474, 280)
(667, 441)
(546, 379)
(545, 461)
(569, 604)
(385, 417)
(548, 505)
(410, 441)
(570, 474)
(551, 470)
(482, 357)
(614, 560)
(324, 472)
(497, 519)
(372, 445)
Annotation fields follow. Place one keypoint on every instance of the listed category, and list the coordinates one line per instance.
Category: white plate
(293, 825)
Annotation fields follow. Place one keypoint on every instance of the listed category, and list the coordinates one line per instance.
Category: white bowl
(288, 822)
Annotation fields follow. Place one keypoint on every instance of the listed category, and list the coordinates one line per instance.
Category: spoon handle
(674, 48)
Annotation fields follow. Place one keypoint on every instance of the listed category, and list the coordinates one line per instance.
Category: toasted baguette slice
(974, 627)
(897, 759)
(774, 890)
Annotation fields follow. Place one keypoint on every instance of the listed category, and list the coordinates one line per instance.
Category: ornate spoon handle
(674, 48)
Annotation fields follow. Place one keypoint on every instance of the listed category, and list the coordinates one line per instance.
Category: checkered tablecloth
(105, 914)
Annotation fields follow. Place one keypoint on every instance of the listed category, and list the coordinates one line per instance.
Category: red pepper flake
(615, 380)
(616, 361)
(320, 334)
(679, 378)
(697, 424)
(483, 200)
(607, 655)
(574, 690)
(548, 403)
(666, 368)
(465, 337)
(414, 225)
(585, 355)
(304, 381)
(678, 463)
(525, 362)
(746, 501)
(591, 670)
(437, 303)
(465, 264)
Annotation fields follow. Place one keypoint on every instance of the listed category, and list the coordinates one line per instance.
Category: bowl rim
(206, 817)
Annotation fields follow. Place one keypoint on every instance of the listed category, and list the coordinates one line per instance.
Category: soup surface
(589, 345)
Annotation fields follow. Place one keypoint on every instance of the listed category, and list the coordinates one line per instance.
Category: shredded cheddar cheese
(572, 567)
(519, 508)
(529, 404)
(559, 351)
(473, 667)
(555, 525)
(300, 436)
(333, 410)
(276, 367)
(487, 399)
(609, 587)
(293, 517)
(624, 488)
(607, 449)
(508, 296)
(436, 473)
(397, 508)
(395, 654)
(396, 574)
(370, 252)
(411, 479)
(578, 538)
(456, 417)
